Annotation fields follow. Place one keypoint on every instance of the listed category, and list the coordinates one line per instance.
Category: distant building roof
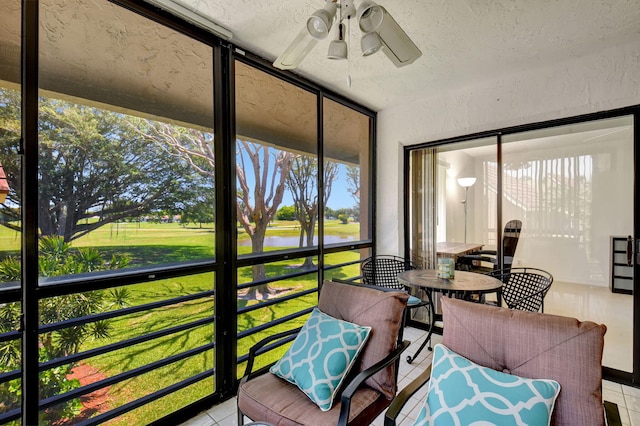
(4, 185)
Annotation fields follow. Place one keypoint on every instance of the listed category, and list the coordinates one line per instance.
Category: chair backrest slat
(382, 270)
(510, 238)
(524, 288)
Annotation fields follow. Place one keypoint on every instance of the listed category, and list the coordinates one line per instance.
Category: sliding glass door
(452, 199)
(573, 188)
(452, 202)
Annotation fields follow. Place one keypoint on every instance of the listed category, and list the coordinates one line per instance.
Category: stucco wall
(602, 81)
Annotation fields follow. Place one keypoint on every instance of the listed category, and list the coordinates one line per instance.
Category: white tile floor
(600, 305)
(225, 413)
(625, 396)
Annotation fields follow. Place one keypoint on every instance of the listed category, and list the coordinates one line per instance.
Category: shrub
(57, 258)
(286, 213)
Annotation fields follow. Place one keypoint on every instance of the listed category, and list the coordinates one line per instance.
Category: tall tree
(353, 182)
(92, 165)
(261, 174)
(196, 148)
(257, 206)
(200, 210)
(303, 183)
(10, 131)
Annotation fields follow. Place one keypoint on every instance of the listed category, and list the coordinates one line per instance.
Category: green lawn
(149, 244)
(9, 242)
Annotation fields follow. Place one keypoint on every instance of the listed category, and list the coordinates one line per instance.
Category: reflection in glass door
(452, 202)
(572, 187)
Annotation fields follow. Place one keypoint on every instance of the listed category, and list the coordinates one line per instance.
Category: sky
(340, 195)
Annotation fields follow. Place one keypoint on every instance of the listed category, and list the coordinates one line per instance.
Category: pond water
(294, 241)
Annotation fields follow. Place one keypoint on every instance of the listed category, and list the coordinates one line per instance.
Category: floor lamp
(466, 183)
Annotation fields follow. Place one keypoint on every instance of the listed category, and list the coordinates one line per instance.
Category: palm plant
(56, 258)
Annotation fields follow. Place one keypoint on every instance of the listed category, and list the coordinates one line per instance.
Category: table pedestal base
(410, 358)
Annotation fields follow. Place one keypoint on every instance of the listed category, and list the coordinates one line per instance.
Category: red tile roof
(4, 185)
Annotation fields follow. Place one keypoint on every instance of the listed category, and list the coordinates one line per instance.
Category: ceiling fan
(379, 32)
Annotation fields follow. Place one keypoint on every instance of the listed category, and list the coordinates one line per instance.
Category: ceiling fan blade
(296, 51)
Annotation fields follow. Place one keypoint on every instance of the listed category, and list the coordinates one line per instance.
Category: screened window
(347, 173)
(125, 143)
(130, 318)
(125, 184)
(276, 163)
(10, 132)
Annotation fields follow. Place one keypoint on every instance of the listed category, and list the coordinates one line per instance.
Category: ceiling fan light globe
(337, 50)
(317, 28)
(370, 44)
(319, 24)
(370, 16)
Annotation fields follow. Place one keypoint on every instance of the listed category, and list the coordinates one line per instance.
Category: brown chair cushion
(271, 399)
(380, 310)
(537, 346)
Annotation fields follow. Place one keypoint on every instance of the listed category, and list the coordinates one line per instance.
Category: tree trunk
(308, 261)
(259, 271)
(301, 242)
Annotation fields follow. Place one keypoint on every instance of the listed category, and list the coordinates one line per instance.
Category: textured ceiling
(96, 53)
(463, 41)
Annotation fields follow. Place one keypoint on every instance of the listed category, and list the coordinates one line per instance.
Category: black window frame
(225, 263)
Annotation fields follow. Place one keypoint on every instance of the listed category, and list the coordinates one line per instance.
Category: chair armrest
(493, 252)
(612, 414)
(355, 383)
(401, 399)
(480, 253)
(253, 351)
(356, 279)
(475, 256)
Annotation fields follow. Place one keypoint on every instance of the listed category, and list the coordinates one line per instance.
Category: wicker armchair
(524, 288)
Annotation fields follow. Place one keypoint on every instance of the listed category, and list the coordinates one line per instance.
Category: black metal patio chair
(510, 236)
(383, 270)
(524, 288)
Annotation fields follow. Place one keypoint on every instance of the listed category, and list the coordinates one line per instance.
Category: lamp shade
(370, 43)
(319, 24)
(466, 182)
(370, 16)
(338, 47)
(337, 50)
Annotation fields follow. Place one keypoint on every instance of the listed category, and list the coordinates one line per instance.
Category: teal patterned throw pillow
(321, 356)
(464, 393)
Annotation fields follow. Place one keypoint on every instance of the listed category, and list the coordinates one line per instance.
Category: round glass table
(463, 285)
